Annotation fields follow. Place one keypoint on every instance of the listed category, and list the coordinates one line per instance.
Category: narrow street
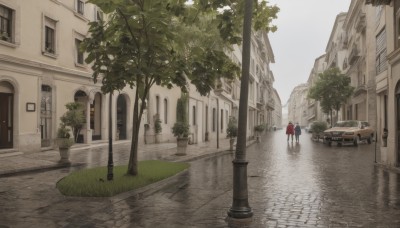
(306, 185)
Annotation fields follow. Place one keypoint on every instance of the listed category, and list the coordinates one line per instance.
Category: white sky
(304, 27)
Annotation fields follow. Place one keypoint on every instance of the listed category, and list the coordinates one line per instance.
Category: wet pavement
(290, 185)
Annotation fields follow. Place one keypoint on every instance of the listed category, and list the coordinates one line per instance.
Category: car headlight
(349, 133)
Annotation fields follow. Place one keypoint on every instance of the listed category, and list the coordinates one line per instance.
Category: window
(79, 53)
(80, 6)
(381, 61)
(222, 119)
(165, 111)
(49, 35)
(397, 22)
(98, 15)
(213, 119)
(157, 105)
(194, 115)
(6, 23)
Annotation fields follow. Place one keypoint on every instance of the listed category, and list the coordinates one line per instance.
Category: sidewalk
(97, 155)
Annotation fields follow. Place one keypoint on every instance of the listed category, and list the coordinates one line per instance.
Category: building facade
(42, 69)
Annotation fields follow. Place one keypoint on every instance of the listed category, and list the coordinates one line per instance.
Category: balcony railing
(378, 2)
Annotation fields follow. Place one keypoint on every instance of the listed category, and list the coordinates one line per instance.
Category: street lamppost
(110, 166)
(240, 206)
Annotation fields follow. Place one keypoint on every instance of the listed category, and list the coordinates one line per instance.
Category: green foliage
(318, 127)
(73, 118)
(181, 127)
(332, 89)
(232, 129)
(63, 132)
(182, 109)
(259, 128)
(157, 126)
(87, 182)
(167, 43)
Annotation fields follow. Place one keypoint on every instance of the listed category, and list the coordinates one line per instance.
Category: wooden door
(6, 120)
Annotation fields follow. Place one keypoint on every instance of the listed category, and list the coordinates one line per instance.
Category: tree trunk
(137, 116)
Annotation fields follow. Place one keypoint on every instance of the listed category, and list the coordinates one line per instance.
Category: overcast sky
(304, 27)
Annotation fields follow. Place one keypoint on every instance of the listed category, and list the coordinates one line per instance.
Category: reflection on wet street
(306, 184)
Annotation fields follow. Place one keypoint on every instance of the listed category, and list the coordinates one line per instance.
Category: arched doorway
(6, 115)
(95, 117)
(121, 118)
(82, 98)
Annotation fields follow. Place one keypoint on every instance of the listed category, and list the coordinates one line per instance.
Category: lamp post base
(240, 207)
(240, 212)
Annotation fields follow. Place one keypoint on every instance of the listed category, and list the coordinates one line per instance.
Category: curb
(22, 171)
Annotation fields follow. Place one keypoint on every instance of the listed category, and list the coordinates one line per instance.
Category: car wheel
(369, 140)
(356, 141)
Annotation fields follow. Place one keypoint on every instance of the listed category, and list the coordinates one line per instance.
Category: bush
(157, 126)
(180, 129)
(232, 129)
(259, 128)
(318, 127)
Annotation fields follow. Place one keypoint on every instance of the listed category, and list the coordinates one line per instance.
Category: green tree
(332, 89)
(167, 43)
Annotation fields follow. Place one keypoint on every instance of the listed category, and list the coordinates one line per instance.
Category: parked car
(349, 131)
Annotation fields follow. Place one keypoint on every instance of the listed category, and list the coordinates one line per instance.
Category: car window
(346, 124)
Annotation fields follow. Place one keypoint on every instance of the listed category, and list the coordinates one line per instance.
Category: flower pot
(231, 142)
(64, 154)
(64, 145)
(158, 138)
(181, 146)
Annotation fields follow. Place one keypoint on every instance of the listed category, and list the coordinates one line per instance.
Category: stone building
(386, 33)
(314, 112)
(359, 34)
(297, 105)
(42, 69)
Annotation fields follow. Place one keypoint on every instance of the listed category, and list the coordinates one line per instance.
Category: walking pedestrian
(290, 130)
(297, 132)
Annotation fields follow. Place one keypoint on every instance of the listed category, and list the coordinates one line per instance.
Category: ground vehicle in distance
(349, 131)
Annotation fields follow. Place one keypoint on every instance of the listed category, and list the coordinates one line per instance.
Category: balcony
(361, 22)
(271, 104)
(378, 2)
(360, 89)
(354, 55)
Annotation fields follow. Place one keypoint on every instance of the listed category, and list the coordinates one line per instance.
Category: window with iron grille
(381, 61)
(80, 6)
(6, 17)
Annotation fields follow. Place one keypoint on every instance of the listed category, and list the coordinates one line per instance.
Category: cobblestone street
(306, 185)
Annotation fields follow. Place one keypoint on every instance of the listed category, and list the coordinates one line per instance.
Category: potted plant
(259, 129)
(64, 142)
(181, 127)
(181, 131)
(74, 118)
(157, 130)
(232, 131)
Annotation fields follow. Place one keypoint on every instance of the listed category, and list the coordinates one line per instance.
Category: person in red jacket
(290, 130)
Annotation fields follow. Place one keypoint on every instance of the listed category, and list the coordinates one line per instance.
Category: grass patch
(93, 182)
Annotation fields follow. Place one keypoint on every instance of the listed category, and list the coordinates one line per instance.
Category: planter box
(181, 146)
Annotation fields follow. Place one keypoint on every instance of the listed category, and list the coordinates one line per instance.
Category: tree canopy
(332, 89)
(168, 43)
